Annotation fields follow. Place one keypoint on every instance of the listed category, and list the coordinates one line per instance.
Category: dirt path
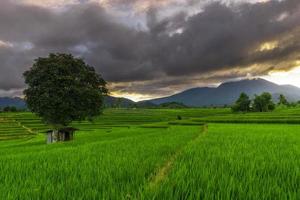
(24, 127)
(163, 172)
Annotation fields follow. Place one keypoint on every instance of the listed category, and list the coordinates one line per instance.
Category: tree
(263, 102)
(10, 109)
(242, 104)
(13, 109)
(282, 100)
(6, 109)
(62, 89)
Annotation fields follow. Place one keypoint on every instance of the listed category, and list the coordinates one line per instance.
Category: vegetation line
(163, 172)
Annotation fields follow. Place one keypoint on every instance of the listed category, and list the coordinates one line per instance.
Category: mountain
(145, 104)
(118, 102)
(228, 92)
(7, 101)
(225, 94)
(110, 101)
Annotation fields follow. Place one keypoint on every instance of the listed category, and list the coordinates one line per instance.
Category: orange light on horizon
(133, 96)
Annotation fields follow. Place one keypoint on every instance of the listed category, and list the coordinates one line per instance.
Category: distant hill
(7, 101)
(117, 102)
(228, 92)
(110, 101)
(145, 104)
(225, 94)
(172, 105)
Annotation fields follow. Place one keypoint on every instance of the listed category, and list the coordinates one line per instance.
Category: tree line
(12, 109)
(260, 103)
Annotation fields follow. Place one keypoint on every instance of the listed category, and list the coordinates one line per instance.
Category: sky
(151, 48)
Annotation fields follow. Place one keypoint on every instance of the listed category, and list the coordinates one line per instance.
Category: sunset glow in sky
(291, 77)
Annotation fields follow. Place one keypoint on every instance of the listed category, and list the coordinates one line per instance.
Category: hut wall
(49, 138)
(55, 136)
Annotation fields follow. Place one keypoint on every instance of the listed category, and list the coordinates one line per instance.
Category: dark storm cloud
(223, 37)
(11, 67)
(220, 38)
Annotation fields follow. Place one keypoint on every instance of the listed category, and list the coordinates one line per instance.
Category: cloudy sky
(152, 48)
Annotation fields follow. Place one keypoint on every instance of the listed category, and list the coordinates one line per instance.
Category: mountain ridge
(12, 101)
(227, 92)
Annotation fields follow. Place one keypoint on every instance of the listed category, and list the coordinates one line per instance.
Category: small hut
(64, 134)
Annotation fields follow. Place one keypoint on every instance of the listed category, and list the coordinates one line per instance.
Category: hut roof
(66, 129)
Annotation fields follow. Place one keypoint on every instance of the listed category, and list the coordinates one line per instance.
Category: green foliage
(242, 104)
(263, 102)
(282, 100)
(10, 109)
(62, 89)
(292, 104)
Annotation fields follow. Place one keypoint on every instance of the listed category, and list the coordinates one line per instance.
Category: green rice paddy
(149, 154)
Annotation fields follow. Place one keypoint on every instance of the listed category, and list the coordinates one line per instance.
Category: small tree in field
(282, 100)
(242, 104)
(62, 89)
(263, 102)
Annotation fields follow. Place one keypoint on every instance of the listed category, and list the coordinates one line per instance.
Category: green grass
(97, 165)
(234, 161)
(149, 154)
(137, 117)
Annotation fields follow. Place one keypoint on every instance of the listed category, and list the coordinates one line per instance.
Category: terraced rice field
(27, 124)
(12, 129)
(149, 154)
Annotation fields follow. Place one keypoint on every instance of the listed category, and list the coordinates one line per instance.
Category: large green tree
(242, 104)
(62, 89)
(263, 102)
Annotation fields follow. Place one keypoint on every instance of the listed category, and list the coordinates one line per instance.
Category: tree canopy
(263, 102)
(242, 104)
(62, 89)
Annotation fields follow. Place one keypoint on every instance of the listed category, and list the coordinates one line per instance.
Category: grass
(97, 165)
(149, 154)
(234, 161)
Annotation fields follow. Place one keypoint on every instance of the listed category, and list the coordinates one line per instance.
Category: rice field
(149, 154)
(234, 161)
